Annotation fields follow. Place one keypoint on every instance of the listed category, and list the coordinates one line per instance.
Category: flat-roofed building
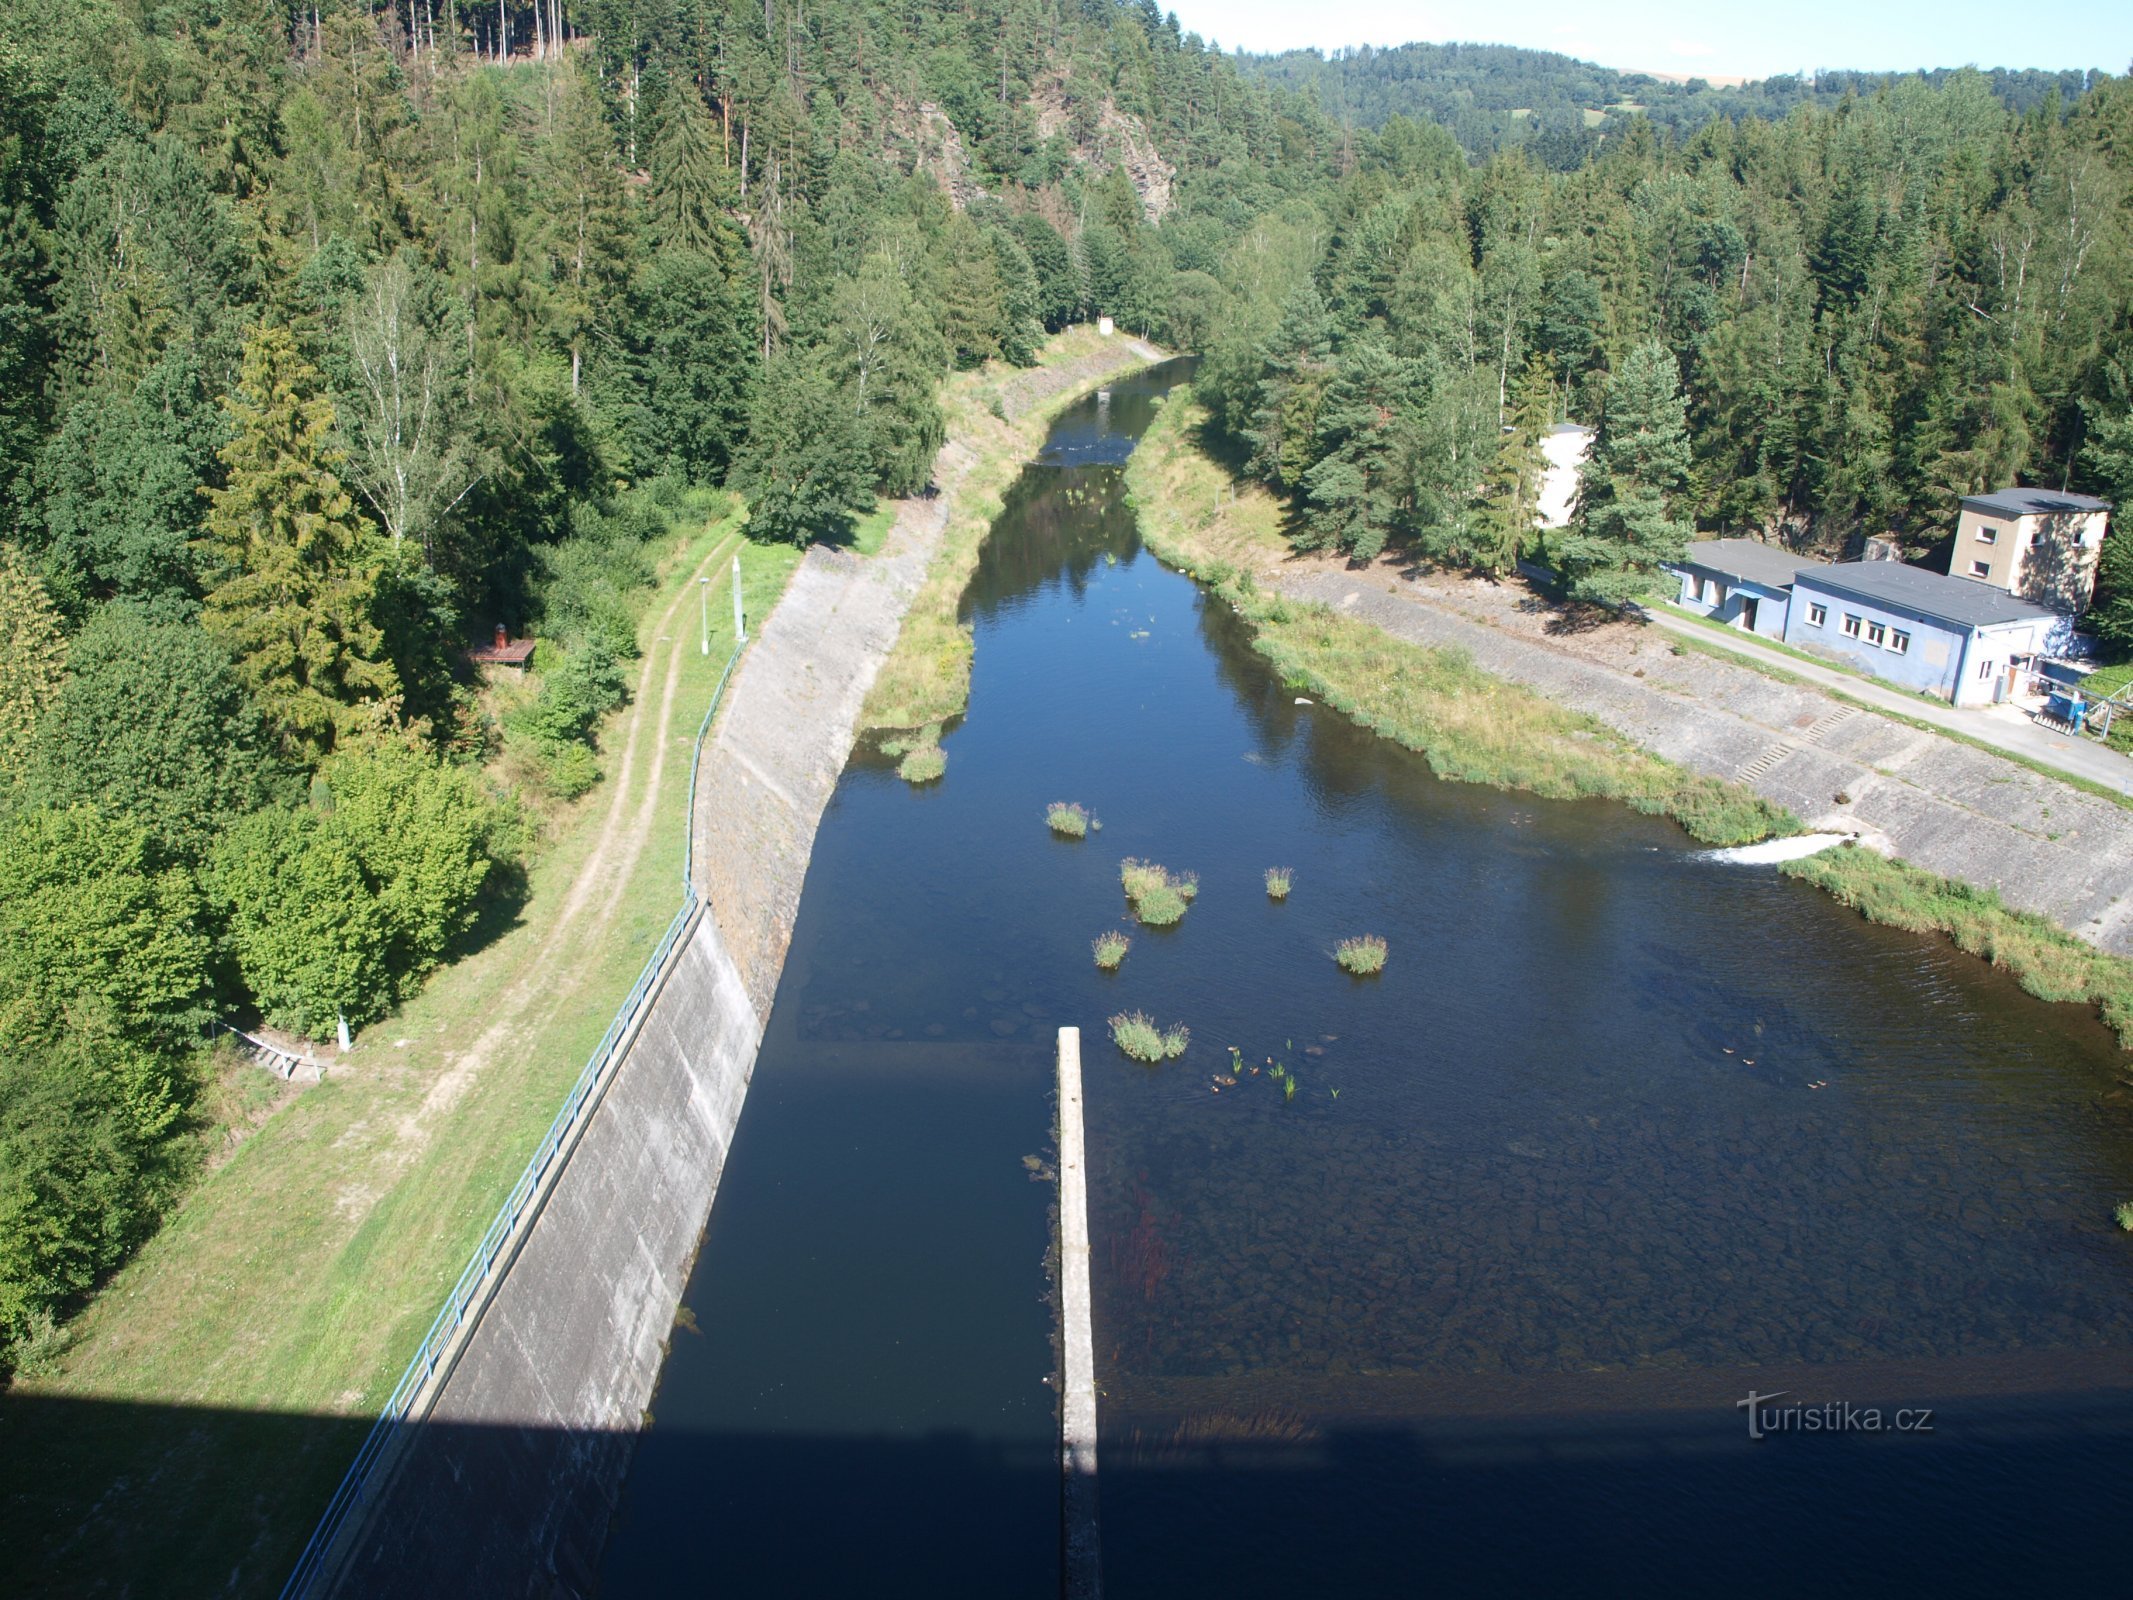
(1742, 582)
(1960, 640)
(2039, 544)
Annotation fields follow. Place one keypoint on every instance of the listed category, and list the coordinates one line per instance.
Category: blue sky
(1715, 38)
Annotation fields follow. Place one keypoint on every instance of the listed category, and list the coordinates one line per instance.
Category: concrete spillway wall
(505, 1484)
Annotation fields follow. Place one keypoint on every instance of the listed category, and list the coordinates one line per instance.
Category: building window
(1899, 641)
(1875, 633)
(1985, 669)
(1851, 626)
(1988, 535)
(1980, 569)
(1817, 615)
(2036, 540)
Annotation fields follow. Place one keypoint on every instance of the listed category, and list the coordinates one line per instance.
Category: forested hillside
(1831, 325)
(1492, 96)
(334, 337)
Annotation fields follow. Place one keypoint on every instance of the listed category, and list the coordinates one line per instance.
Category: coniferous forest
(334, 336)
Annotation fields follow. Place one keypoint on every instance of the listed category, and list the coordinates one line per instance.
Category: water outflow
(1768, 852)
(1620, 1134)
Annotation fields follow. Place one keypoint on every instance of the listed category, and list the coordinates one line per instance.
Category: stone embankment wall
(1951, 808)
(507, 1487)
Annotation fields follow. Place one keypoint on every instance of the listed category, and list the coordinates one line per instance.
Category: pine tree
(1356, 493)
(33, 662)
(885, 351)
(1631, 515)
(2110, 457)
(805, 471)
(295, 569)
(691, 187)
(1510, 504)
(691, 364)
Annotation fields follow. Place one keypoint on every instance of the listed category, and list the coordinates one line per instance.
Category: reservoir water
(1622, 1134)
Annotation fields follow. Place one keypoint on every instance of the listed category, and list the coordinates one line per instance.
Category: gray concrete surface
(2082, 758)
(2046, 846)
(1083, 1577)
(506, 1487)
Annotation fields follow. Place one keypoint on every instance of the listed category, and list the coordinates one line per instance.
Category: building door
(1747, 612)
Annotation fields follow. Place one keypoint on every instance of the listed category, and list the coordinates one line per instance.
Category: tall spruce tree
(1632, 514)
(295, 570)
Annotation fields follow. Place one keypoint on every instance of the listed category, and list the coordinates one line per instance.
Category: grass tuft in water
(923, 765)
(2124, 1214)
(1110, 947)
(1069, 819)
(1136, 1033)
(1363, 955)
(923, 758)
(1159, 896)
(1277, 882)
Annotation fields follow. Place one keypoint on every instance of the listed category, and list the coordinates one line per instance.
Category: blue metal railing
(503, 1234)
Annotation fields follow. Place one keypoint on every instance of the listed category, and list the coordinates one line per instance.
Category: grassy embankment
(926, 679)
(1470, 726)
(2046, 961)
(1479, 729)
(217, 1387)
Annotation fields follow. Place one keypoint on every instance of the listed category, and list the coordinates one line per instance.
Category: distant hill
(1491, 95)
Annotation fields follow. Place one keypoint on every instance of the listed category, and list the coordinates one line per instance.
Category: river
(1623, 1132)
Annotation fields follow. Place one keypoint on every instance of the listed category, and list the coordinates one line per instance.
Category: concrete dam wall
(506, 1485)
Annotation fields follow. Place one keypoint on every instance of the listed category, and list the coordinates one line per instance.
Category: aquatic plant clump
(923, 764)
(1136, 1033)
(1068, 819)
(1362, 955)
(1159, 896)
(1110, 947)
(1277, 883)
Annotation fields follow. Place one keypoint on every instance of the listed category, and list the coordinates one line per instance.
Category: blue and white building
(1741, 582)
(1965, 642)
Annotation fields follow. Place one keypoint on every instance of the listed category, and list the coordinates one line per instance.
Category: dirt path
(538, 992)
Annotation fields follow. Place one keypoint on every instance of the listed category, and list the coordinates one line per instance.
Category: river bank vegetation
(336, 341)
(1470, 727)
(2046, 961)
(1477, 728)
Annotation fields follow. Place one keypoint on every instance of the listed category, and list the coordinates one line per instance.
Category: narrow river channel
(1622, 1133)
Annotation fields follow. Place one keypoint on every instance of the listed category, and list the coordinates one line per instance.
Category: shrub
(565, 771)
(1137, 1035)
(575, 694)
(1067, 818)
(1277, 883)
(2124, 1215)
(1362, 955)
(923, 764)
(1111, 947)
(1159, 898)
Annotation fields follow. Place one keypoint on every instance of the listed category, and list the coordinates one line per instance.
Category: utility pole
(740, 623)
(703, 607)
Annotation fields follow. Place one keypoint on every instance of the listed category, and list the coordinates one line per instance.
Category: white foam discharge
(1774, 850)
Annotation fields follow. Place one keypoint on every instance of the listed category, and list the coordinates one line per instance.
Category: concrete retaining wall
(506, 1488)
